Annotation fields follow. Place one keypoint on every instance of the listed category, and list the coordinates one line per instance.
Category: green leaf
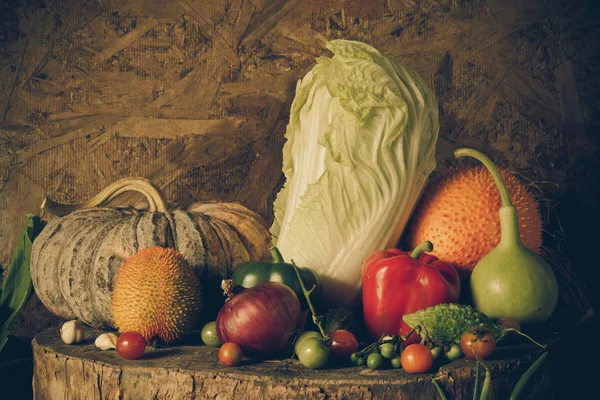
(518, 390)
(17, 286)
(338, 318)
(439, 390)
(477, 391)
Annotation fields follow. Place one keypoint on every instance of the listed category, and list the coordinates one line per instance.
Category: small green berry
(375, 361)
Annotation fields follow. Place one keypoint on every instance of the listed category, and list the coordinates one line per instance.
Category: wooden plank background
(195, 95)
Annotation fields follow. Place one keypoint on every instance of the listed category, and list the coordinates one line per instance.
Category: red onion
(260, 319)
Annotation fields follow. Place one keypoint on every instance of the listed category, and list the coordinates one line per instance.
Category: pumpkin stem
(155, 197)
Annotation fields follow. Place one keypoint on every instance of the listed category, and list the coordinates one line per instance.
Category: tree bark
(192, 371)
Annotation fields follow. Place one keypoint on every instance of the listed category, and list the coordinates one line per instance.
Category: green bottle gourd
(511, 280)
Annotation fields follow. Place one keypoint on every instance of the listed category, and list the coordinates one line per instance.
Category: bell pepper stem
(276, 255)
(426, 246)
(317, 319)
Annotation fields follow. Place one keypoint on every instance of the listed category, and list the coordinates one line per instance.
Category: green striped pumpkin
(76, 257)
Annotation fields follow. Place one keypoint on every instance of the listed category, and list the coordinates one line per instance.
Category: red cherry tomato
(416, 359)
(230, 354)
(478, 340)
(343, 343)
(131, 345)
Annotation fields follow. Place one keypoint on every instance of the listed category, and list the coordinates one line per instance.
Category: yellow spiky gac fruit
(458, 213)
(157, 294)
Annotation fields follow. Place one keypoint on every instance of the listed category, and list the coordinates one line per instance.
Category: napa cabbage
(360, 148)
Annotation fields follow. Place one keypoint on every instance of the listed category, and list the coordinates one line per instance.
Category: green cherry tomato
(354, 358)
(375, 361)
(209, 335)
(388, 351)
(313, 353)
(361, 361)
(436, 352)
(396, 363)
(454, 353)
(303, 336)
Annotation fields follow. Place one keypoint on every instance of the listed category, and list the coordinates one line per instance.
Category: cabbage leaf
(360, 148)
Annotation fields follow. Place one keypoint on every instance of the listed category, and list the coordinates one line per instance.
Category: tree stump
(192, 371)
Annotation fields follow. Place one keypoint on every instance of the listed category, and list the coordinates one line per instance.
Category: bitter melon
(446, 322)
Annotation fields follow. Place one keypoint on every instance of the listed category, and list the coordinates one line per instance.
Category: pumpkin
(76, 257)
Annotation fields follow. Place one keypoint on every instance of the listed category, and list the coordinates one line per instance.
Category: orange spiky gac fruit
(157, 294)
(458, 213)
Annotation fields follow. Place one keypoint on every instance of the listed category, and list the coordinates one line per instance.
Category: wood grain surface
(195, 95)
(192, 371)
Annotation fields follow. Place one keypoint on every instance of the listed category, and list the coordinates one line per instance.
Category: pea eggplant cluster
(394, 351)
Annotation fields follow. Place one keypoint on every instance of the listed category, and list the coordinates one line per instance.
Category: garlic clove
(72, 332)
(106, 341)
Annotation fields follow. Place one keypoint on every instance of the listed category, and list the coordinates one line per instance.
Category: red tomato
(416, 359)
(230, 354)
(478, 340)
(343, 343)
(131, 345)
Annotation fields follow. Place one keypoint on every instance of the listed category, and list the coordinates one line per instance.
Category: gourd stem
(423, 247)
(491, 168)
(509, 221)
(276, 255)
(155, 197)
(509, 226)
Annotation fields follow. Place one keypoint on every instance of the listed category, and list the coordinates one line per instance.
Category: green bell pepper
(252, 273)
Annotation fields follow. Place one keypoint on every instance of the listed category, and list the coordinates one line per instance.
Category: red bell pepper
(395, 283)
